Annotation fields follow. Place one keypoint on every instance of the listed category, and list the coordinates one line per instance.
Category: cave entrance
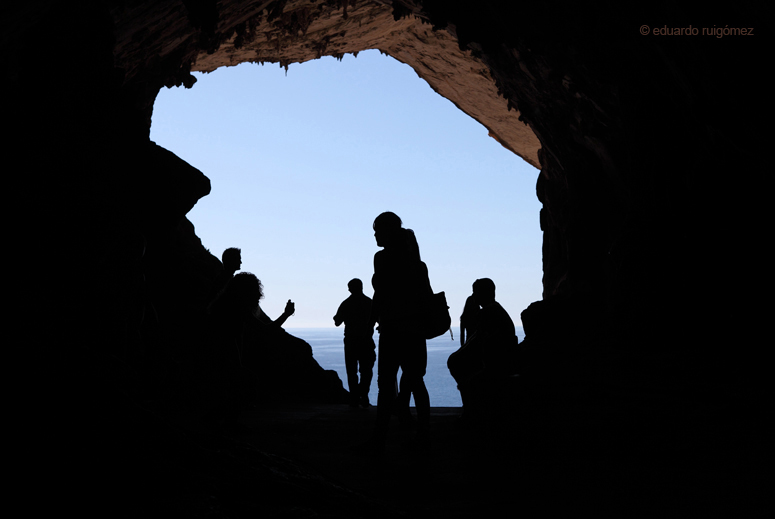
(304, 162)
(301, 163)
(376, 138)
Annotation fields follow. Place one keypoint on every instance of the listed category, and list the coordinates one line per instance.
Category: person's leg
(463, 365)
(423, 403)
(387, 370)
(453, 364)
(351, 368)
(476, 396)
(366, 367)
(414, 366)
(401, 406)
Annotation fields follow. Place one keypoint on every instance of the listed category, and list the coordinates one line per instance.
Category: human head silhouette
(389, 234)
(484, 291)
(355, 286)
(244, 290)
(387, 229)
(232, 259)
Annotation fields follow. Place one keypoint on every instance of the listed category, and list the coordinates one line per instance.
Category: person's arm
(290, 308)
(376, 299)
(338, 317)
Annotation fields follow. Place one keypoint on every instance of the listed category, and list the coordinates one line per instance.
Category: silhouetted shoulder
(495, 320)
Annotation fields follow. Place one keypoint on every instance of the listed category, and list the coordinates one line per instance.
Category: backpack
(437, 320)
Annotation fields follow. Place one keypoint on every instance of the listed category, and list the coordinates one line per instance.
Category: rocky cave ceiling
(304, 30)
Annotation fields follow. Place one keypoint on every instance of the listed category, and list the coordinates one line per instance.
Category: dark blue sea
(328, 349)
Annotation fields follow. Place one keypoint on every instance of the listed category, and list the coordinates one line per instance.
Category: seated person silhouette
(485, 358)
(242, 350)
(232, 262)
(231, 314)
(359, 347)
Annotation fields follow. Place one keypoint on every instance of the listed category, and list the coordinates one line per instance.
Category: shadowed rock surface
(652, 185)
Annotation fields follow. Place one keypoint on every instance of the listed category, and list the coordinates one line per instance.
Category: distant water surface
(328, 349)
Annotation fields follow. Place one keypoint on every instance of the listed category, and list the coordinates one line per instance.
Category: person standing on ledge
(359, 354)
(401, 288)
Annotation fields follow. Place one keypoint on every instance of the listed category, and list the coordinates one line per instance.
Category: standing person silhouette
(401, 287)
(355, 313)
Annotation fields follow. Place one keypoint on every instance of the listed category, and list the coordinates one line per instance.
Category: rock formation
(649, 146)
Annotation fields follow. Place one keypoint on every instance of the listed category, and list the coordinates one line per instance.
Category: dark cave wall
(642, 138)
(653, 192)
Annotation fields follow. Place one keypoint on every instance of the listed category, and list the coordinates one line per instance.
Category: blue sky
(301, 164)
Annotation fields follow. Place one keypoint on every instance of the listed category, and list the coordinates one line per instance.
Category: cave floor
(468, 472)
(300, 460)
(324, 439)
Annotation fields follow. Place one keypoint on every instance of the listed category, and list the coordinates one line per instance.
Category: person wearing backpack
(401, 289)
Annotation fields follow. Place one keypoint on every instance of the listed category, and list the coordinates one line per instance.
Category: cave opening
(296, 183)
(297, 180)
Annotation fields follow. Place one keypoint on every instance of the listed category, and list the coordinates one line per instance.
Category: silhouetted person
(485, 358)
(231, 314)
(232, 261)
(359, 354)
(469, 319)
(401, 288)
